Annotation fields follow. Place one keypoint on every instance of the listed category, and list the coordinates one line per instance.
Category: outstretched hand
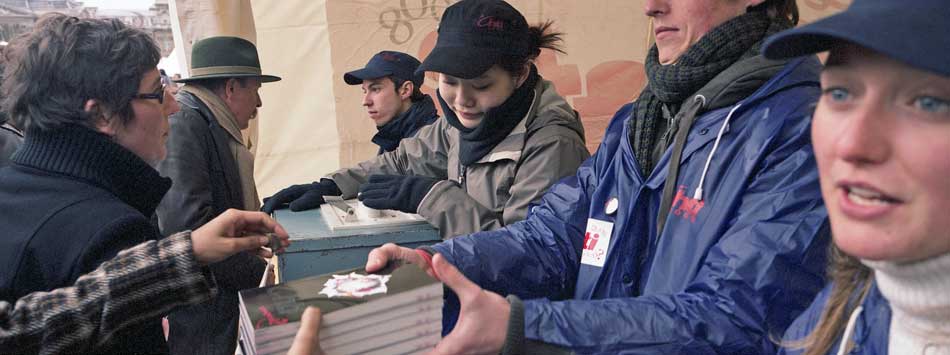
(483, 318)
(396, 192)
(301, 197)
(235, 231)
(391, 256)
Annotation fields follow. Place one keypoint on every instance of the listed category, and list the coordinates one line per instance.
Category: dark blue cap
(474, 35)
(914, 32)
(387, 63)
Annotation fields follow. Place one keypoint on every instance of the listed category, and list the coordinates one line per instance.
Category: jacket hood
(552, 109)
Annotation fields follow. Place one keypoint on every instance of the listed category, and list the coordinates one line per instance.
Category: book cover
(350, 301)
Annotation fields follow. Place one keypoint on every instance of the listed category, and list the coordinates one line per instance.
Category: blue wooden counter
(315, 249)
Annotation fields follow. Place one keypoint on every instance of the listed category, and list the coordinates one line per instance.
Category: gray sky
(120, 4)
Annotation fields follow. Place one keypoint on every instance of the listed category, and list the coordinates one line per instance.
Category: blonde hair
(851, 282)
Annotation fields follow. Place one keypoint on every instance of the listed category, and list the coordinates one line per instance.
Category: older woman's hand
(236, 231)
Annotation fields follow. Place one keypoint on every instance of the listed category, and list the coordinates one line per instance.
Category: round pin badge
(612, 205)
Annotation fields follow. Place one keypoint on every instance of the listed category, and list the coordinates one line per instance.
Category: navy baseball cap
(914, 32)
(387, 63)
(474, 35)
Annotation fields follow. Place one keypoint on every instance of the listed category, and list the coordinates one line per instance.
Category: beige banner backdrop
(312, 122)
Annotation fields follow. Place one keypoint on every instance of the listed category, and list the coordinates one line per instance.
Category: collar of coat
(219, 110)
(81, 153)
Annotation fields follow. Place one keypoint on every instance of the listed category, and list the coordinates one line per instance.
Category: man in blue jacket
(696, 228)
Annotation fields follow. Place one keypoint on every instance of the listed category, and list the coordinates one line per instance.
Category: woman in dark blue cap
(507, 134)
(880, 132)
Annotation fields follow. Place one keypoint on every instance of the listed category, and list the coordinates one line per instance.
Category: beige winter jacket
(495, 191)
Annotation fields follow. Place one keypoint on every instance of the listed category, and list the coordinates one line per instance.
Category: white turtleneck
(919, 294)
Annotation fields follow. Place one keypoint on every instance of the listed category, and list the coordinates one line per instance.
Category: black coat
(206, 183)
(72, 199)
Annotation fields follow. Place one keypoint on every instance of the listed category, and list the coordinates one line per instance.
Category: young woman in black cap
(506, 137)
(880, 132)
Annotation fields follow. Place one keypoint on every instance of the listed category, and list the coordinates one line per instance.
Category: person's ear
(525, 71)
(229, 87)
(101, 122)
(405, 92)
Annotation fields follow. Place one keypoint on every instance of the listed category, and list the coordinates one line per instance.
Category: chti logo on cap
(490, 22)
(389, 57)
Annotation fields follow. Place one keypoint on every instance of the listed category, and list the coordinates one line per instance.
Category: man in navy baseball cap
(891, 27)
(392, 97)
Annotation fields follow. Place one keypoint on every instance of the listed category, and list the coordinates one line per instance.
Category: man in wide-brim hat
(213, 170)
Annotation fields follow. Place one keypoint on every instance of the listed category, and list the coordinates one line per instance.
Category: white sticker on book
(596, 242)
(355, 285)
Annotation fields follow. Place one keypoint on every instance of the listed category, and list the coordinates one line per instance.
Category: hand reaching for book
(236, 231)
(307, 341)
(391, 256)
(483, 318)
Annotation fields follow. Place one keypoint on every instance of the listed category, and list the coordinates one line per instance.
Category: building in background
(155, 21)
(18, 16)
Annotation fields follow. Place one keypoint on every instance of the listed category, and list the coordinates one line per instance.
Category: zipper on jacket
(462, 171)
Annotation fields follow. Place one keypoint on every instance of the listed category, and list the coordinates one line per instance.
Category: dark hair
(217, 85)
(416, 92)
(541, 37)
(64, 61)
(779, 9)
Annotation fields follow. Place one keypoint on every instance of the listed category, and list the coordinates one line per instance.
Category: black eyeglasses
(159, 95)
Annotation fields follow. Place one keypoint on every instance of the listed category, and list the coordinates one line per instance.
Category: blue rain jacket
(871, 329)
(727, 272)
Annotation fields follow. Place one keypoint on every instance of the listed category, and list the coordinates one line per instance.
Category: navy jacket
(420, 114)
(871, 329)
(71, 200)
(728, 270)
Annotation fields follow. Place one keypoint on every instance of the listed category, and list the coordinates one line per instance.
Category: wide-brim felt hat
(225, 57)
(913, 32)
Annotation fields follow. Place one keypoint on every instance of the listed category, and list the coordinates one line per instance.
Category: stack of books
(395, 313)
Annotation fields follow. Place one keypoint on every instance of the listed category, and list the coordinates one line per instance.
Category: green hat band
(225, 70)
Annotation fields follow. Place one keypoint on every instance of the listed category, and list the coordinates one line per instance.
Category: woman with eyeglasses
(881, 131)
(82, 186)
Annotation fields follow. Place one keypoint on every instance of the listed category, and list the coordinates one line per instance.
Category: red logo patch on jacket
(685, 206)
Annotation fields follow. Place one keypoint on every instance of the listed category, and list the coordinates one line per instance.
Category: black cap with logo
(474, 35)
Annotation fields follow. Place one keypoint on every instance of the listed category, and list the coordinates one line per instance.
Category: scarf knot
(668, 85)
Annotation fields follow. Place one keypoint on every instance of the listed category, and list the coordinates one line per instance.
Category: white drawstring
(698, 194)
(848, 330)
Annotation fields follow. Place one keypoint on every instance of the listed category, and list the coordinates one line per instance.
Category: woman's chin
(470, 122)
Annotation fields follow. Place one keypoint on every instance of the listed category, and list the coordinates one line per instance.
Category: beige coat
(495, 191)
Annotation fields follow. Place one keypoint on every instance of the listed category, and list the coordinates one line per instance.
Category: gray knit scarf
(736, 39)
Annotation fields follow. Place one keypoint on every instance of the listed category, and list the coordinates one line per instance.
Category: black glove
(302, 197)
(396, 192)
